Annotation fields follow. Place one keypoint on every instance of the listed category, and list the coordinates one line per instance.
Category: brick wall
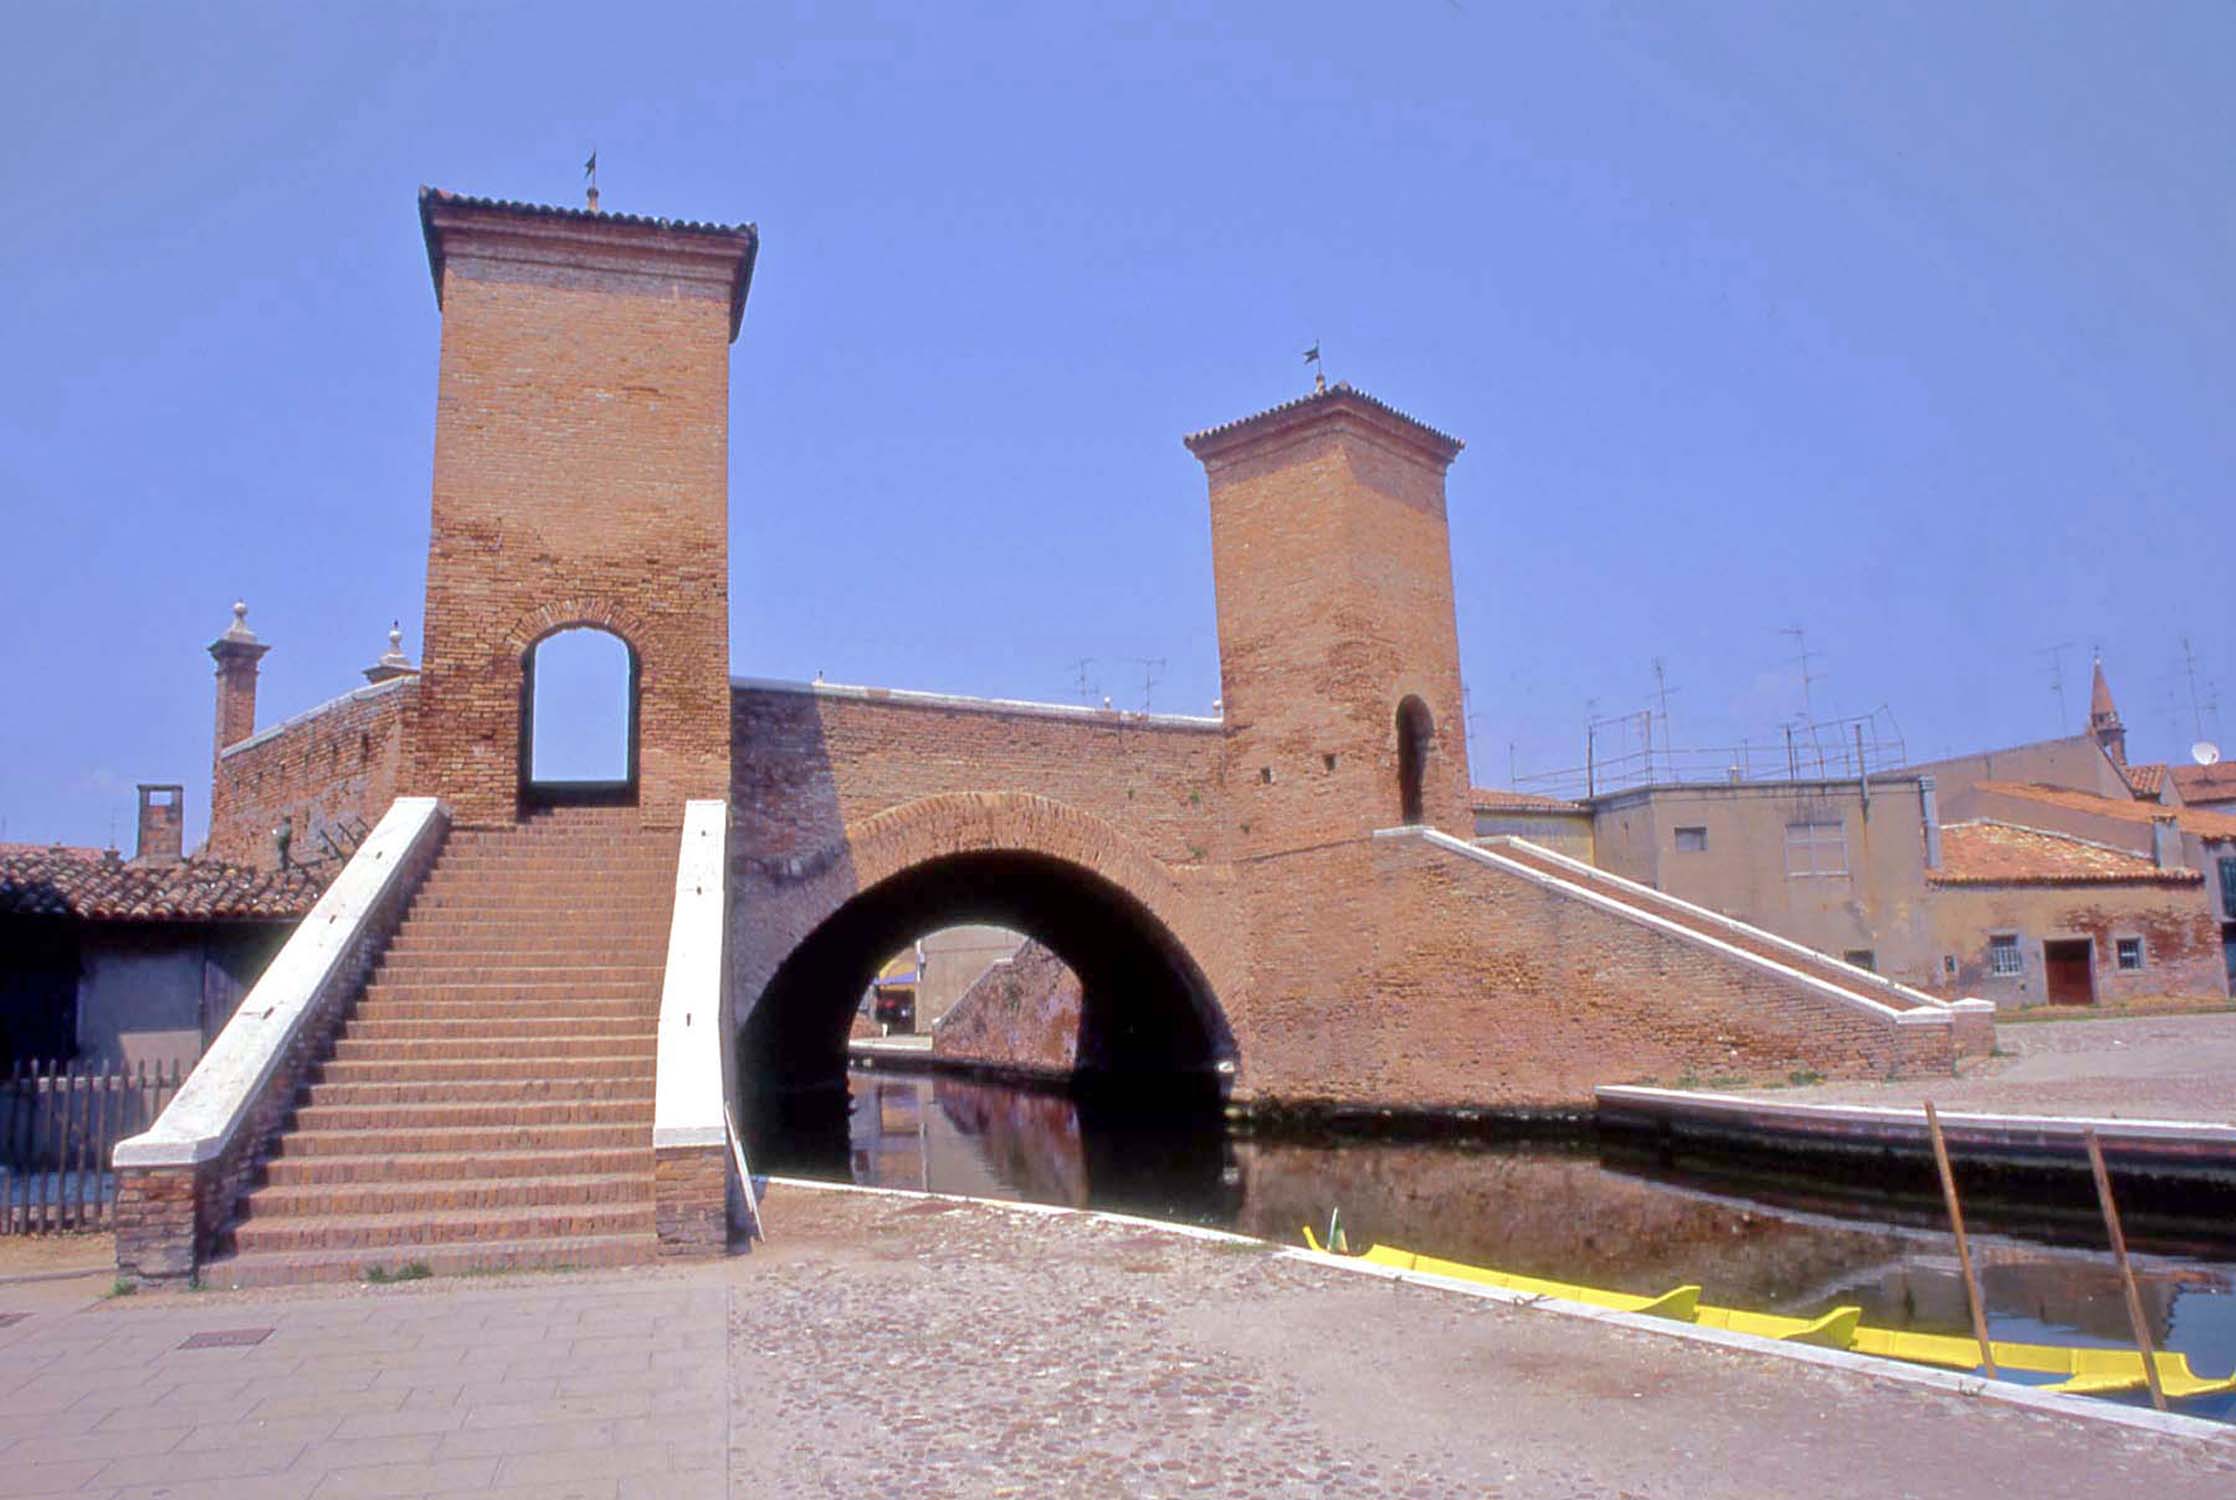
(1450, 982)
(2181, 941)
(338, 765)
(580, 478)
(1021, 1016)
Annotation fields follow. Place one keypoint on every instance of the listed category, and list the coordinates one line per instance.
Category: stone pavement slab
(883, 1345)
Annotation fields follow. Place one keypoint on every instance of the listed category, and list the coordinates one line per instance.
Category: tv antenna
(1802, 657)
(1662, 690)
(1151, 667)
(1086, 685)
(2056, 655)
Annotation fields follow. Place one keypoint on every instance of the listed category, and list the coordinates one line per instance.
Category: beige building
(2045, 873)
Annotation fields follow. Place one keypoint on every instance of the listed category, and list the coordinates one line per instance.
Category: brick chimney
(2166, 843)
(162, 838)
(237, 652)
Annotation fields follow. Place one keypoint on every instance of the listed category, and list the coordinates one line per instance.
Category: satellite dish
(2204, 752)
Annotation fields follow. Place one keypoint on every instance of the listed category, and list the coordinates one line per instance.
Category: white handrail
(688, 1107)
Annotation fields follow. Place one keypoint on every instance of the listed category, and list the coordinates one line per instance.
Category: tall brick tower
(581, 478)
(1338, 648)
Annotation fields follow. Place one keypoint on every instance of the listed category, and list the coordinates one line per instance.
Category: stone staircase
(488, 1102)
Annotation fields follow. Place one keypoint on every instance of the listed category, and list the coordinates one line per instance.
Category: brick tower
(581, 478)
(1338, 648)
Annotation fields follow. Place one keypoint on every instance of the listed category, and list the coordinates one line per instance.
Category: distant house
(132, 961)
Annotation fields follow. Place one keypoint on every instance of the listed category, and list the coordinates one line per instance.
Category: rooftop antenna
(1809, 679)
(1150, 667)
(1319, 370)
(590, 179)
(2189, 673)
(1086, 687)
(1662, 690)
(2056, 654)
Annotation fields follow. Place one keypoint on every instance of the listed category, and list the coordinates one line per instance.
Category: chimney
(2166, 843)
(393, 663)
(237, 653)
(1929, 809)
(162, 839)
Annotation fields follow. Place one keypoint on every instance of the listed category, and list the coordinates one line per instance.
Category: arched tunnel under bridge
(1152, 1038)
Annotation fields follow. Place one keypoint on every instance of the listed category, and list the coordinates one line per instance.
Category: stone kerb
(692, 1134)
(178, 1181)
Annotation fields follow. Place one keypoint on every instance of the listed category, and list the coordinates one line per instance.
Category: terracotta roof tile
(2210, 825)
(2206, 784)
(1336, 394)
(2146, 781)
(1985, 852)
(1500, 799)
(62, 881)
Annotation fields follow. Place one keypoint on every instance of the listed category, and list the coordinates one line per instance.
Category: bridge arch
(1143, 937)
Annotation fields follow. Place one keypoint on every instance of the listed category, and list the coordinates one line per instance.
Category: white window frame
(2000, 943)
(1816, 848)
(2120, 965)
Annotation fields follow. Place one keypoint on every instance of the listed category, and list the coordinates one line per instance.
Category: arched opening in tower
(1145, 1010)
(578, 718)
(1416, 732)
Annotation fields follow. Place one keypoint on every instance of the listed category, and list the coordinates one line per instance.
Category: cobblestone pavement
(890, 1346)
(2144, 1068)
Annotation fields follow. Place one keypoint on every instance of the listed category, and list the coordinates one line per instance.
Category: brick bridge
(1286, 898)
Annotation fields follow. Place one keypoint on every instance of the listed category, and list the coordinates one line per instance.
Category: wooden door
(2070, 972)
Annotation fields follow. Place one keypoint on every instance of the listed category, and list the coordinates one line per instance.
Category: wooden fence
(59, 1121)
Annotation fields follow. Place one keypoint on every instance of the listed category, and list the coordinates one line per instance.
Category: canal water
(1754, 1234)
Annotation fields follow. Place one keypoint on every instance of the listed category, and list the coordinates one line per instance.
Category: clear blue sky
(1908, 323)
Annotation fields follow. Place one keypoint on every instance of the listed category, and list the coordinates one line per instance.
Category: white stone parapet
(325, 950)
(689, 1106)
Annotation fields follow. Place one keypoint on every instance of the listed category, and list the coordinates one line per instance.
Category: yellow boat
(2087, 1372)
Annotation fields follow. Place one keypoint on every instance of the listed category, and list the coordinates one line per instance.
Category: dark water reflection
(1556, 1208)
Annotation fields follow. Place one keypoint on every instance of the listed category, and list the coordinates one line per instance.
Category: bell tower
(581, 479)
(1338, 646)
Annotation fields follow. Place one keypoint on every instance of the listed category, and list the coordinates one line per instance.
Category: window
(1692, 841)
(1862, 958)
(1816, 849)
(2130, 952)
(2228, 889)
(2003, 955)
(1948, 964)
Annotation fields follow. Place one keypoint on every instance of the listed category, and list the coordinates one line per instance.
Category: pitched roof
(1342, 393)
(2202, 784)
(1500, 799)
(2145, 780)
(59, 880)
(2209, 825)
(1986, 852)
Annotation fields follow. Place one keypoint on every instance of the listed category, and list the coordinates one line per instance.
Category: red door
(2071, 974)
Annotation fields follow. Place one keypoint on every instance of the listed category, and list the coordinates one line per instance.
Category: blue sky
(1907, 324)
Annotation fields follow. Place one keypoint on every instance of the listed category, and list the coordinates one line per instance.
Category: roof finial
(590, 179)
(1319, 370)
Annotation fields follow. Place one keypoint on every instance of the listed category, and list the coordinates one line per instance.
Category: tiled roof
(746, 236)
(2146, 781)
(1500, 799)
(2201, 784)
(58, 880)
(1341, 391)
(1986, 852)
(2210, 825)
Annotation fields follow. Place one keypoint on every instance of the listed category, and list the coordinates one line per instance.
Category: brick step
(586, 903)
(435, 1195)
(560, 941)
(418, 1049)
(460, 1139)
(472, 1166)
(485, 1069)
(454, 1227)
(435, 1006)
(517, 968)
(636, 1087)
(328, 1266)
(383, 1117)
(543, 993)
(471, 1033)
(636, 885)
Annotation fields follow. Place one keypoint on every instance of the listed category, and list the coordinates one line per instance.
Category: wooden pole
(1963, 1246)
(2127, 1272)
